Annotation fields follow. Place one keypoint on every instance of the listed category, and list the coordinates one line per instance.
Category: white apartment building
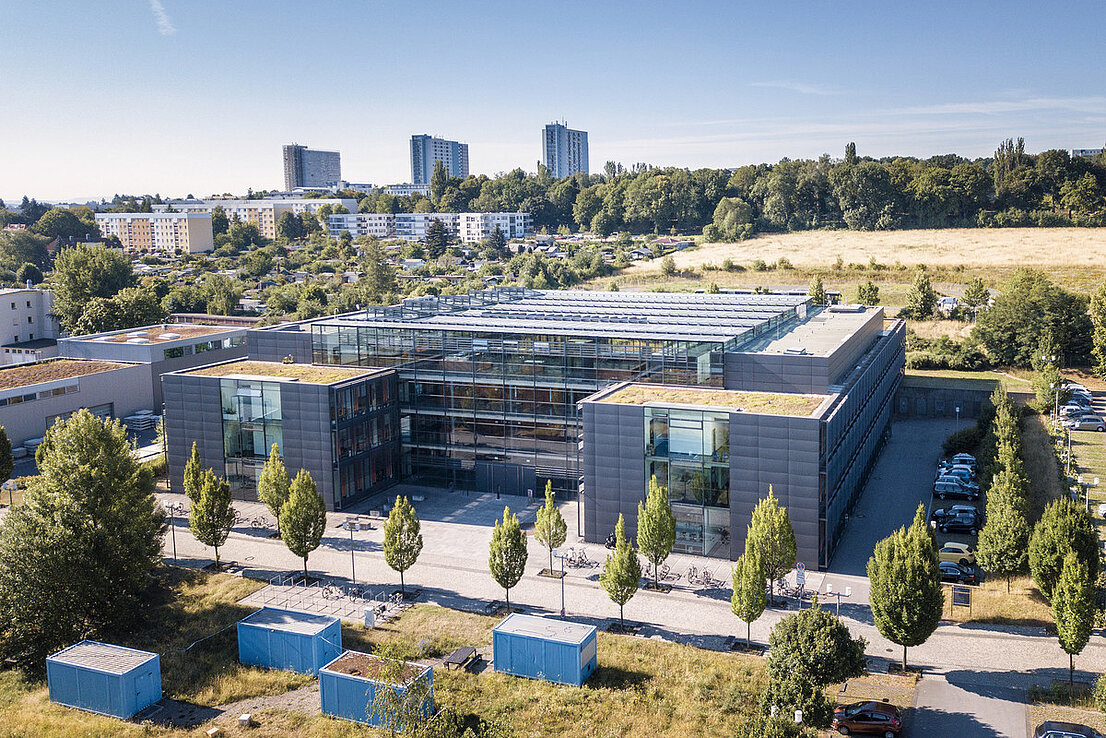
(400, 190)
(427, 150)
(167, 232)
(28, 327)
(262, 213)
(465, 227)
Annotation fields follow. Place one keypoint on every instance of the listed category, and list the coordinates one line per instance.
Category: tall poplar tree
(402, 539)
(507, 553)
(1064, 526)
(193, 475)
(1073, 608)
(621, 575)
(1004, 539)
(773, 537)
(656, 527)
(906, 596)
(550, 528)
(1098, 321)
(749, 595)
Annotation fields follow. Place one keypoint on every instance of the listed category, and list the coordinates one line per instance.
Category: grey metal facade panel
(274, 345)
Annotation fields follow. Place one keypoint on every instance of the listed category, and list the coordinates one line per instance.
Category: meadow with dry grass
(1072, 256)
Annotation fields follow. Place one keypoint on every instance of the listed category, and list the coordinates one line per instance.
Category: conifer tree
(402, 539)
(621, 575)
(656, 527)
(906, 596)
(921, 300)
(749, 595)
(773, 537)
(212, 515)
(1073, 608)
(868, 293)
(507, 555)
(303, 517)
(273, 484)
(550, 528)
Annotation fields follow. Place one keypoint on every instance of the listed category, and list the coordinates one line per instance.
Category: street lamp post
(847, 593)
(172, 508)
(562, 558)
(352, 525)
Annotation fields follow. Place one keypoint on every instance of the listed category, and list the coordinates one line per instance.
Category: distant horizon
(211, 93)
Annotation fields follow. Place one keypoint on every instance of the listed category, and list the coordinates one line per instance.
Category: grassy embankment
(642, 687)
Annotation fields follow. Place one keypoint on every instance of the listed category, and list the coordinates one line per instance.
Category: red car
(874, 718)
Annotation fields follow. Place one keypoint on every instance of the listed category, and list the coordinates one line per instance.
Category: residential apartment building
(28, 327)
(262, 213)
(427, 150)
(162, 231)
(401, 190)
(1085, 153)
(564, 151)
(719, 396)
(304, 167)
(465, 227)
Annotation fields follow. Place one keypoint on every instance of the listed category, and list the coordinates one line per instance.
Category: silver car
(1086, 422)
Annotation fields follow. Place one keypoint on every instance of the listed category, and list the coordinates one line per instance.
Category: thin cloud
(800, 87)
(164, 25)
(1090, 104)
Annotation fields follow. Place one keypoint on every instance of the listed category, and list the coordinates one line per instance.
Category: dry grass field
(1073, 256)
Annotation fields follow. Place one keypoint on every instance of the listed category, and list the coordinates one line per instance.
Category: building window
(252, 423)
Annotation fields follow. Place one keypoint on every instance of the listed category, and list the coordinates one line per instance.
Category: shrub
(963, 441)
(784, 264)
(1100, 693)
(759, 265)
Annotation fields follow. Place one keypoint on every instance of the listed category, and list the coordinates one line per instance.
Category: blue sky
(197, 96)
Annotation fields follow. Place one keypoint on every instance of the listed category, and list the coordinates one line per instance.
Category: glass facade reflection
(688, 451)
(252, 423)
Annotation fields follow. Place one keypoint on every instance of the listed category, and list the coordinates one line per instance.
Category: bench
(461, 658)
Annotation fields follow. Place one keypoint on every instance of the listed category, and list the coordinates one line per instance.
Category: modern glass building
(341, 425)
(489, 382)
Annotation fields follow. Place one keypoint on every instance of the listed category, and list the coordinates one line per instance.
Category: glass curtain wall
(471, 398)
(688, 451)
(366, 431)
(252, 423)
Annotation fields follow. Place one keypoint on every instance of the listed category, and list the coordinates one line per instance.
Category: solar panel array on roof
(702, 317)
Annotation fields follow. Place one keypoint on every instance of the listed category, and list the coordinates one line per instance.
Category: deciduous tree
(1073, 608)
(273, 485)
(1004, 539)
(621, 575)
(656, 527)
(193, 480)
(84, 272)
(507, 555)
(868, 293)
(1063, 526)
(402, 539)
(906, 596)
(303, 517)
(550, 528)
(773, 537)
(749, 596)
(212, 515)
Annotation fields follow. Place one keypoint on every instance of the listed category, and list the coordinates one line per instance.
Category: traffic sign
(800, 566)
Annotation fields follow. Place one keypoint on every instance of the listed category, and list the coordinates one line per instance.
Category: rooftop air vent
(168, 336)
(136, 334)
(795, 351)
(138, 340)
(847, 308)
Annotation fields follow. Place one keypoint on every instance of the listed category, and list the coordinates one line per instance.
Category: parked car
(1056, 729)
(1072, 410)
(876, 718)
(954, 572)
(960, 460)
(1086, 422)
(962, 523)
(952, 511)
(955, 487)
(957, 553)
(964, 472)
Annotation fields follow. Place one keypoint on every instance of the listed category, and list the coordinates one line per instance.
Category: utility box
(289, 640)
(103, 678)
(348, 687)
(544, 648)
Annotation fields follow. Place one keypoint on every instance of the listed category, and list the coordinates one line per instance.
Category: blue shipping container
(348, 687)
(544, 648)
(288, 640)
(105, 679)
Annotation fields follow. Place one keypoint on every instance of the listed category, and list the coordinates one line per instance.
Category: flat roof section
(367, 666)
(550, 629)
(276, 371)
(155, 334)
(103, 657)
(26, 375)
(819, 335)
(289, 621)
(765, 403)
